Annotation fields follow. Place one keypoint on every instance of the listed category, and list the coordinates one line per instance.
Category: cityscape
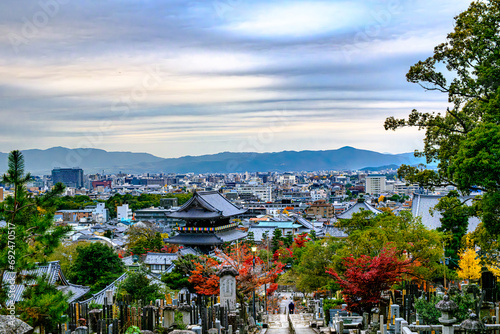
(250, 167)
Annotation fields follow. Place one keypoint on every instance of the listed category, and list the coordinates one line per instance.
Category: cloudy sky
(178, 78)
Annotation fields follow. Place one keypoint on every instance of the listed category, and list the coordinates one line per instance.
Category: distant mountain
(40, 162)
(94, 160)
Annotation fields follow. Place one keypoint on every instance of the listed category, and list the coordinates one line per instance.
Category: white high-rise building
(264, 193)
(123, 212)
(375, 184)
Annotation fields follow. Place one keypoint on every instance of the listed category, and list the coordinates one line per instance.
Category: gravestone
(185, 311)
(398, 327)
(168, 316)
(82, 330)
(227, 289)
(109, 296)
(394, 311)
(197, 329)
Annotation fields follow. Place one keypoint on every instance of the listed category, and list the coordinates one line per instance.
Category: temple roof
(53, 273)
(422, 204)
(206, 239)
(357, 208)
(195, 239)
(207, 205)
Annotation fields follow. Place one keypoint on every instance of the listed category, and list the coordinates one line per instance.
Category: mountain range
(41, 162)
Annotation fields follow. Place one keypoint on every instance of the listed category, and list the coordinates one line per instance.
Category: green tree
(65, 254)
(310, 268)
(369, 234)
(43, 305)
(139, 287)
(178, 278)
(277, 240)
(464, 140)
(250, 239)
(96, 265)
(30, 235)
(454, 223)
(144, 238)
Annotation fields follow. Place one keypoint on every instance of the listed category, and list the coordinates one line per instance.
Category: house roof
(304, 222)
(422, 204)
(347, 214)
(206, 205)
(160, 258)
(98, 298)
(54, 274)
(282, 224)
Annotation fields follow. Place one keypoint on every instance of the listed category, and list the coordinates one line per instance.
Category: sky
(176, 78)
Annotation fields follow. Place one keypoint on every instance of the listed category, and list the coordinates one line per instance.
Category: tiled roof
(160, 258)
(53, 272)
(357, 208)
(422, 204)
(98, 298)
(195, 239)
(207, 204)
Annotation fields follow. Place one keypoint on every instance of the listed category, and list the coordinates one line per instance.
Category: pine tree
(30, 235)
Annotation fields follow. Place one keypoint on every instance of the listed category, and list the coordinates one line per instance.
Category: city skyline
(192, 78)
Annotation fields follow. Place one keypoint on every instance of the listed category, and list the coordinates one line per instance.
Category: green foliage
(277, 238)
(96, 265)
(454, 222)
(179, 276)
(427, 310)
(73, 202)
(179, 323)
(465, 139)
(250, 239)
(42, 305)
(30, 235)
(430, 315)
(288, 240)
(368, 234)
(93, 305)
(310, 266)
(143, 239)
(142, 201)
(329, 304)
(139, 287)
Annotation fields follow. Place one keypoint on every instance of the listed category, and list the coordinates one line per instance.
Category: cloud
(175, 77)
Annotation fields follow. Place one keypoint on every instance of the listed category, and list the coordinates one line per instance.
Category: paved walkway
(278, 323)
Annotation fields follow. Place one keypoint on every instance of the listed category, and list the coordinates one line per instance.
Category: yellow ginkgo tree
(469, 262)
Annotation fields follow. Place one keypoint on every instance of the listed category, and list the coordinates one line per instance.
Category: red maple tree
(300, 240)
(204, 276)
(366, 277)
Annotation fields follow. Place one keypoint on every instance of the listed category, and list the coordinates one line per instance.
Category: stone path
(301, 323)
(278, 324)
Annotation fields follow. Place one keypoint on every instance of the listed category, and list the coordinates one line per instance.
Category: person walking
(291, 307)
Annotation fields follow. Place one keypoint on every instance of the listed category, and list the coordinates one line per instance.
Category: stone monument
(227, 289)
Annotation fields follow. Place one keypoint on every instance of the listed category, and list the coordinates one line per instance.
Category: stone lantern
(473, 324)
(447, 306)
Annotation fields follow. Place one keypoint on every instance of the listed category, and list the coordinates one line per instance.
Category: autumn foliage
(204, 276)
(300, 240)
(469, 262)
(366, 277)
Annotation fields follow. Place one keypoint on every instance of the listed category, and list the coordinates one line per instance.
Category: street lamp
(254, 249)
